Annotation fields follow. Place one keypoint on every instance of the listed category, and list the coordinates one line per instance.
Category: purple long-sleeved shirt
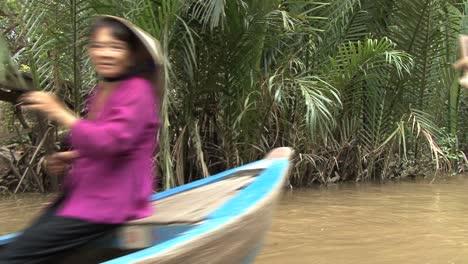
(112, 180)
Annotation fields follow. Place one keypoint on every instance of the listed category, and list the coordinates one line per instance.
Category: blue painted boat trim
(217, 177)
(209, 180)
(268, 180)
(247, 198)
(8, 238)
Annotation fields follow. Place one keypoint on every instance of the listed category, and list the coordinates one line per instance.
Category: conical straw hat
(153, 48)
(151, 44)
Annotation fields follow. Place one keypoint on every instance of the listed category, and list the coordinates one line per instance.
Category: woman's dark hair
(145, 66)
(119, 31)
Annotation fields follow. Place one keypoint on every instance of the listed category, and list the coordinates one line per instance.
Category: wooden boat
(220, 219)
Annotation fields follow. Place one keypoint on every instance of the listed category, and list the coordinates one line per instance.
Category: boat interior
(173, 215)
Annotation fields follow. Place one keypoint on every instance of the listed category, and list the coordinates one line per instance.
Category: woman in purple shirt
(108, 175)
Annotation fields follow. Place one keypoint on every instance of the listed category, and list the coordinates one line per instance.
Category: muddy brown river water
(406, 222)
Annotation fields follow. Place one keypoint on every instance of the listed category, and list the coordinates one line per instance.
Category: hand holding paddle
(49, 105)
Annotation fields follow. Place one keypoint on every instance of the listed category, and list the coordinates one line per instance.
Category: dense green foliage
(361, 89)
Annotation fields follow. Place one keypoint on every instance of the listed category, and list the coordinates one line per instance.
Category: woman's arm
(120, 128)
(116, 132)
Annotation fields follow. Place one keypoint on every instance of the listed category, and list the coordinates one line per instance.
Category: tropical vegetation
(361, 89)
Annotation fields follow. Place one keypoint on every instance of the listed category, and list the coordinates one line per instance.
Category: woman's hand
(59, 163)
(49, 105)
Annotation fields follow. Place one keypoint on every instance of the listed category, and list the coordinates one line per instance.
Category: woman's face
(110, 56)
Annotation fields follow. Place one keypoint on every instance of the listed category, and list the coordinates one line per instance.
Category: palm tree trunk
(76, 58)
